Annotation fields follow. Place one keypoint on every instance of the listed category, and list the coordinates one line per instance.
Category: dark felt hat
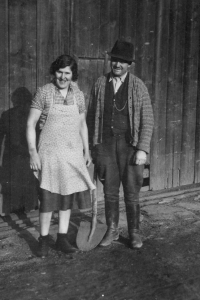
(123, 50)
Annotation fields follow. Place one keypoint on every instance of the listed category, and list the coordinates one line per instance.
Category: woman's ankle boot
(43, 246)
(63, 245)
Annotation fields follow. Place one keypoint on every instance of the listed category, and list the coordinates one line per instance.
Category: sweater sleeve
(90, 119)
(146, 122)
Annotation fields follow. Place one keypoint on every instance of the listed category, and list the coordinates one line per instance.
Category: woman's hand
(84, 137)
(87, 158)
(35, 163)
(33, 118)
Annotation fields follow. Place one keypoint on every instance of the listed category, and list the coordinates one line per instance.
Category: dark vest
(116, 118)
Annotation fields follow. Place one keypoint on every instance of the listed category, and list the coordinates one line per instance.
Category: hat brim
(121, 57)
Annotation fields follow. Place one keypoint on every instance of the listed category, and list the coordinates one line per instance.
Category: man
(120, 124)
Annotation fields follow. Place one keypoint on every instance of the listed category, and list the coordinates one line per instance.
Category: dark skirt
(54, 202)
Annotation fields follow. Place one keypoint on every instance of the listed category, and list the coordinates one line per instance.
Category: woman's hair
(65, 61)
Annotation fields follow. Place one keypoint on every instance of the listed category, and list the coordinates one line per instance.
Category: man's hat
(123, 50)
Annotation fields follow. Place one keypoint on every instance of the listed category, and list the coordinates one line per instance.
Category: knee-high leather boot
(133, 219)
(112, 220)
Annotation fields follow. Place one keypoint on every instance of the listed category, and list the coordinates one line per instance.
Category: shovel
(90, 234)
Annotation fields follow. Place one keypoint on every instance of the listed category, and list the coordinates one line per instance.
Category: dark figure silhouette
(18, 182)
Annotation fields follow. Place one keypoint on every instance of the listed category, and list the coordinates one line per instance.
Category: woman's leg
(64, 217)
(43, 248)
(62, 242)
(45, 219)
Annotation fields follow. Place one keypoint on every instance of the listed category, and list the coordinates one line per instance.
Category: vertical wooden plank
(197, 136)
(171, 99)
(89, 71)
(190, 93)
(197, 139)
(53, 30)
(109, 25)
(85, 28)
(179, 47)
(128, 25)
(106, 66)
(22, 38)
(4, 78)
(157, 171)
(145, 42)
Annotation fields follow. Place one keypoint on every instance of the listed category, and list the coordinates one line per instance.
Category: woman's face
(63, 77)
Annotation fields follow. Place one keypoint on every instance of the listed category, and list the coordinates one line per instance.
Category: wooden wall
(166, 38)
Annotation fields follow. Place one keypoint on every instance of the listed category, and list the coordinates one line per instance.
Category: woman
(63, 152)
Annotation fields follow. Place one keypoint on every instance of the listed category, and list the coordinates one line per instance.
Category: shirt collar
(122, 78)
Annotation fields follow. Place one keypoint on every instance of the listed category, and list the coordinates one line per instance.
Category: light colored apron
(63, 168)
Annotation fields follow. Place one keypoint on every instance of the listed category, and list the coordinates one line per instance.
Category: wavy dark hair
(65, 61)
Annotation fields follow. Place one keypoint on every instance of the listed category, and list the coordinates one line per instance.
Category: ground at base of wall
(166, 267)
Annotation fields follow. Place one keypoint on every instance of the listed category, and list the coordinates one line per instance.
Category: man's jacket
(139, 108)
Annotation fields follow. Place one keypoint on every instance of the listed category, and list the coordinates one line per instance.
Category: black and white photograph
(100, 150)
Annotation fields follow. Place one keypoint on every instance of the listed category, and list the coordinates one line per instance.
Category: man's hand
(140, 157)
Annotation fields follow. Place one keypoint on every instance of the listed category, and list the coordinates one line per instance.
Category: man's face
(119, 66)
(63, 77)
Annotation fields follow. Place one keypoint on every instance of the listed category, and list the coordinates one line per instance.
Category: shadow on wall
(18, 183)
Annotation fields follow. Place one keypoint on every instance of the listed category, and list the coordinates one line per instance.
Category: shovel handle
(94, 223)
(94, 206)
(94, 193)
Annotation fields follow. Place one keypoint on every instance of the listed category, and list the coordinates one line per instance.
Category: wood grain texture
(53, 27)
(128, 24)
(22, 44)
(89, 71)
(158, 158)
(175, 84)
(109, 25)
(166, 39)
(171, 117)
(145, 41)
(85, 28)
(4, 56)
(190, 93)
